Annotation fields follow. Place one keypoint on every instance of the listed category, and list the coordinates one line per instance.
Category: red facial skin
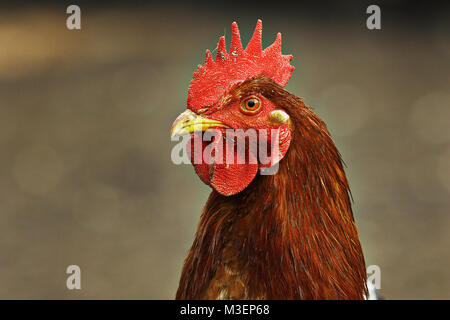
(231, 178)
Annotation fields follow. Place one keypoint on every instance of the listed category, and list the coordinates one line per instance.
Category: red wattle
(229, 179)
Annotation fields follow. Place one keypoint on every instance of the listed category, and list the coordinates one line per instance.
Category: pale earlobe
(278, 117)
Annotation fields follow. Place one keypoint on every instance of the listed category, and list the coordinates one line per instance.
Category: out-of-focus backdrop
(85, 166)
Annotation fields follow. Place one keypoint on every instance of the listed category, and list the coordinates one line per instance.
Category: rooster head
(231, 98)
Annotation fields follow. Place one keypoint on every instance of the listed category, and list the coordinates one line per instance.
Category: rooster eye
(251, 105)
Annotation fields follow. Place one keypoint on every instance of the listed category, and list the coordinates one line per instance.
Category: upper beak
(189, 122)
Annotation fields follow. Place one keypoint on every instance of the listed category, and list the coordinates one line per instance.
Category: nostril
(202, 110)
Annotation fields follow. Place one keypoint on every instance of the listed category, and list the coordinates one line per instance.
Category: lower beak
(189, 122)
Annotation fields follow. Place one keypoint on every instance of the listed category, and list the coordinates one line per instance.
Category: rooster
(288, 235)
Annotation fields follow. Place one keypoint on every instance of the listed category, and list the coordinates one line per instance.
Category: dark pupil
(251, 103)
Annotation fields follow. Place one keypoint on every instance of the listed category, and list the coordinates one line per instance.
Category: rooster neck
(294, 233)
(286, 236)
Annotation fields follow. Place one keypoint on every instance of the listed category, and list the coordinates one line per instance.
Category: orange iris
(251, 105)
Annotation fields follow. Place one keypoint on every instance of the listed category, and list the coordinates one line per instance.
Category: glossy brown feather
(286, 236)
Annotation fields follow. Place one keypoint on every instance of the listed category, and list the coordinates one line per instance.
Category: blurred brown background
(85, 167)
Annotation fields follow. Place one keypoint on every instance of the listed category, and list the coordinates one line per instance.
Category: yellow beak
(189, 122)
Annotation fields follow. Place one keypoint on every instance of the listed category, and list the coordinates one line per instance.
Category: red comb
(211, 80)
